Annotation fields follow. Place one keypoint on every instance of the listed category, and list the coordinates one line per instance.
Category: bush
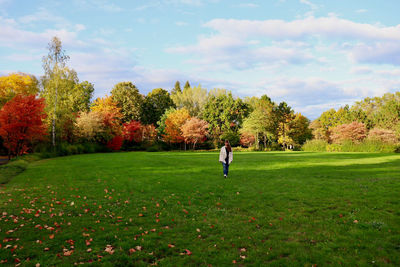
(315, 145)
(349, 146)
(383, 135)
(355, 132)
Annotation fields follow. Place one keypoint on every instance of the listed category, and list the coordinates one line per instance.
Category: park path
(3, 160)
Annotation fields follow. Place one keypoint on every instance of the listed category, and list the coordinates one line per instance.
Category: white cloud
(42, 14)
(309, 4)
(328, 27)
(180, 23)
(80, 27)
(231, 52)
(247, 5)
(377, 53)
(361, 10)
(361, 70)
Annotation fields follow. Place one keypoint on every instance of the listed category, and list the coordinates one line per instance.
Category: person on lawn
(226, 157)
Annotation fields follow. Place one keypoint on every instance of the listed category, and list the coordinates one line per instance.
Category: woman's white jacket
(222, 155)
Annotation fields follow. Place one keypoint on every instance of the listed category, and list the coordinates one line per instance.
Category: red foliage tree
(115, 143)
(21, 123)
(355, 132)
(132, 131)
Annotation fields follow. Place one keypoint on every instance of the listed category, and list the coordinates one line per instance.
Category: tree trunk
(194, 145)
(265, 142)
(54, 118)
(257, 141)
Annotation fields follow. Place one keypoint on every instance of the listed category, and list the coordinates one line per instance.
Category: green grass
(293, 208)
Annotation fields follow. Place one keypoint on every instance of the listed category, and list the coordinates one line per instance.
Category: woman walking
(226, 157)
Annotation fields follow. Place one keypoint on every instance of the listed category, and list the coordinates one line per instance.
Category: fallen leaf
(68, 253)
(171, 246)
(109, 249)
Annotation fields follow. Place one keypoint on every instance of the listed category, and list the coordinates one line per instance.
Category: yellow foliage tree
(173, 124)
(17, 83)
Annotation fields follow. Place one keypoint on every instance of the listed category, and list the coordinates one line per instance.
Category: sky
(314, 55)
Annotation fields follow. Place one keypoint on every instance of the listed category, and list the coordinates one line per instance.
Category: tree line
(61, 110)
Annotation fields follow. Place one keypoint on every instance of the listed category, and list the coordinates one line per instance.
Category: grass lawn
(176, 209)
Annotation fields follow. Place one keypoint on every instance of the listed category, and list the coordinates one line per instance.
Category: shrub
(115, 143)
(355, 132)
(383, 135)
(315, 145)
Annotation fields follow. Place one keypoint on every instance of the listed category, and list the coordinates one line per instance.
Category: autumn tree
(173, 124)
(383, 135)
(17, 83)
(21, 123)
(154, 105)
(149, 133)
(132, 131)
(63, 93)
(111, 115)
(161, 122)
(191, 98)
(247, 140)
(89, 125)
(355, 132)
(128, 99)
(194, 131)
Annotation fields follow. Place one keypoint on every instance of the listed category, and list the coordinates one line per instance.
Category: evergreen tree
(187, 85)
(176, 89)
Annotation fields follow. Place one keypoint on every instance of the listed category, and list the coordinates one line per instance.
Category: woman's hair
(228, 145)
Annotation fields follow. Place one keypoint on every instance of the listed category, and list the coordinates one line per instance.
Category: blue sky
(314, 55)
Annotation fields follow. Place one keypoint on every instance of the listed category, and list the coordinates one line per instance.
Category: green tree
(191, 98)
(63, 93)
(54, 65)
(81, 97)
(154, 105)
(262, 121)
(176, 89)
(128, 99)
(224, 114)
(300, 131)
(285, 115)
(187, 85)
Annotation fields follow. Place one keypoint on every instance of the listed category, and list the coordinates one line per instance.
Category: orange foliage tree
(355, 132)
(173, 124)
(194, 131)
(112, 117)
(247, 140)
(149, 133)
(17, 83)
(21, 123)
